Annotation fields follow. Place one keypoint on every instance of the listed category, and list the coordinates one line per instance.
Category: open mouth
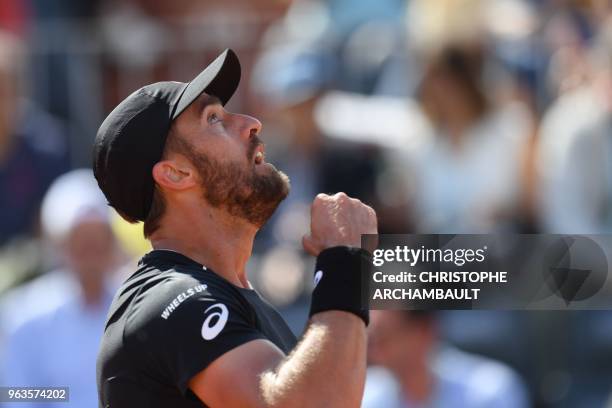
(256, 150)
(259, 157)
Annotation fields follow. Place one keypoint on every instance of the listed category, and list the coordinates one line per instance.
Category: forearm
(327, 367)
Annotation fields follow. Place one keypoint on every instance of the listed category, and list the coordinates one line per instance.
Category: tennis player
(186, 329)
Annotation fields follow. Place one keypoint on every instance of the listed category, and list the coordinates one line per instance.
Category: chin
(265, 166)
(269, 170)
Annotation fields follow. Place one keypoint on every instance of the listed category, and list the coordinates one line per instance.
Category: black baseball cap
(132, 137)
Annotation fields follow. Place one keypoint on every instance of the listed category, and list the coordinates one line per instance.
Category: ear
(170, 175)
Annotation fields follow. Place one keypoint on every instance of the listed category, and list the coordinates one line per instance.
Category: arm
(327, 367)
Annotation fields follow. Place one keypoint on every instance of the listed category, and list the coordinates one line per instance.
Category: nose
(251, 126)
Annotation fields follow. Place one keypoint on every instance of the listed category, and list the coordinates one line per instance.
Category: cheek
(223, 148)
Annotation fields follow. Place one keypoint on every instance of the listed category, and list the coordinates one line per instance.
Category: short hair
(465, 65)
(174, 143)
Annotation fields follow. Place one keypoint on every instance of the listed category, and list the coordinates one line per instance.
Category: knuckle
(320, 200)
(341, 197)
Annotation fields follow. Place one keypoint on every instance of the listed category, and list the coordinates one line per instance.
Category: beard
(240, 190)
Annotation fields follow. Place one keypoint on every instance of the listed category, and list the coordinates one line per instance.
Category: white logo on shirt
(176, 302)
(318, 277)
(220, 313)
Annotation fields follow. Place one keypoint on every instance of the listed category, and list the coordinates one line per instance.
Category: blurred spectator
(32, 147)
(460, 163)
(349, 14)
(414, 369)
(65, 69)
(54, 323)
(467, 176)
(575, 155)
(464, 173)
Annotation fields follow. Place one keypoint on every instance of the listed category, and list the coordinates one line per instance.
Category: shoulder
(175, 320)
(183, 287)
(188, 284)
(179, 295)
(37, 300)
(567, 118)
(45, 324)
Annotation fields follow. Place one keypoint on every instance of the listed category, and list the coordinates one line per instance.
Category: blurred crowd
(446, 116)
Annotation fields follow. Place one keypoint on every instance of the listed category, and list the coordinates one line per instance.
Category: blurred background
(446, 116)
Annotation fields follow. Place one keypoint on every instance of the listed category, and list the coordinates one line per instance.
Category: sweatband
(338, 277)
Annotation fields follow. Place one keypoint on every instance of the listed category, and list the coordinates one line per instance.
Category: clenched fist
(338, 220)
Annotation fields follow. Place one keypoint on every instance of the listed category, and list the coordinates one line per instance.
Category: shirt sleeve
(199, 327)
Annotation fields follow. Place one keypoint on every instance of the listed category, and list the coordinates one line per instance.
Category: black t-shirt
(169, 321)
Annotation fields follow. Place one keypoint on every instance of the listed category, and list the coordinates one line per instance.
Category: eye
(212, 118)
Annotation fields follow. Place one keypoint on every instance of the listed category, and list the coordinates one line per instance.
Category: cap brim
(220, 78)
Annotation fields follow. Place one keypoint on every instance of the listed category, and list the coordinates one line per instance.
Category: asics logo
(318, 277)
(215, 320)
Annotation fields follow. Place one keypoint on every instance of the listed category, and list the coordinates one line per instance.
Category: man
(415, 369)
(53, 323)
(186, 329)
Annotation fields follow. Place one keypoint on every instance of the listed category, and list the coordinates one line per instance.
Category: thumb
(309, 245)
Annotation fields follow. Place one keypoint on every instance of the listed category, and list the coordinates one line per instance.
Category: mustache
(254, 143)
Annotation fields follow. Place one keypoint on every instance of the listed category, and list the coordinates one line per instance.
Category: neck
(211, 237)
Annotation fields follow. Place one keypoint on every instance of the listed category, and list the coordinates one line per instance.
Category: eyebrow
(204, 100)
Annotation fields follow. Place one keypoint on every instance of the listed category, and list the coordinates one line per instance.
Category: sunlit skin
(257, 373)
(218, 133)
(191, 225)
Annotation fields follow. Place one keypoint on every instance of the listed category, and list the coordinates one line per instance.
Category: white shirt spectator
(462, 380)
(34, 298)
(466, 188)
(57, 347)
(452, 190)
(53, 324)
(575, 164)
